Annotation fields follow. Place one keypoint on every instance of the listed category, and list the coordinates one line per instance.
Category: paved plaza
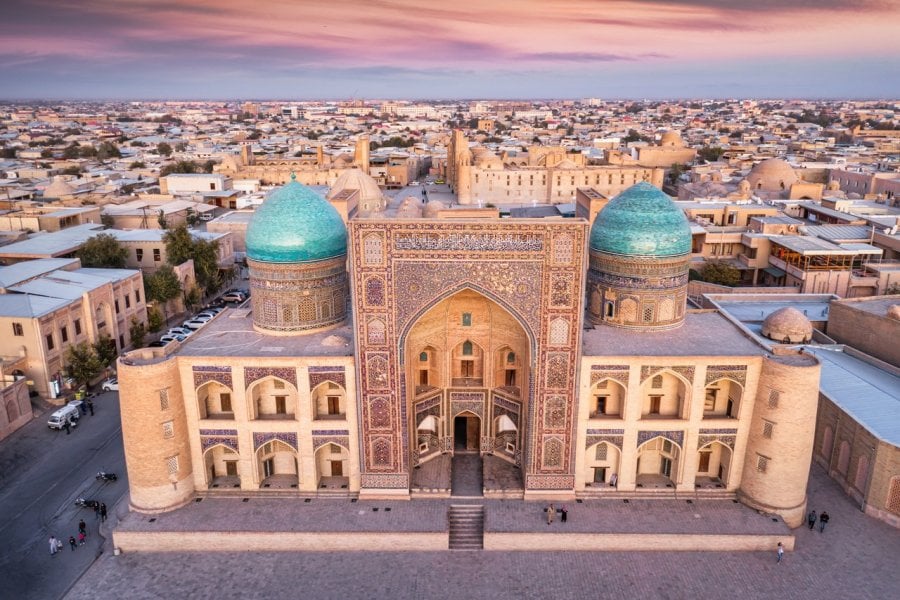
(856, 557)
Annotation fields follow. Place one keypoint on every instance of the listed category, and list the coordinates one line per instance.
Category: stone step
(466, 527)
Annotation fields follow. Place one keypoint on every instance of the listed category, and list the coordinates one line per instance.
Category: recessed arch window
(511, 357)
(423, 357)
(467, 348)
(467, 319)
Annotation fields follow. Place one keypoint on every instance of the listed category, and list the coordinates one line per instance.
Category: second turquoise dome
(641, 221)
(295, 224)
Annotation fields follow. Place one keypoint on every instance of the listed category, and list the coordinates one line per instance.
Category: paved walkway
(855, 558)
(466, 474)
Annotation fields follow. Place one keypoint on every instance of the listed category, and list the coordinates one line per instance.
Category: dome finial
(293, 176)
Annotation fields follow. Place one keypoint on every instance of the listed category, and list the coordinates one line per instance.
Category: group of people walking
(57, 544)
(811, 520)
(551, 514)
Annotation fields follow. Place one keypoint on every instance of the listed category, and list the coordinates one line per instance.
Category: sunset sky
(305, 49)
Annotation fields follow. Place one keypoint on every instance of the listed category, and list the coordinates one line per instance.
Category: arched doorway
(608, 398)
(602, 462)
(713, 466)
(466, 432)
(665, 396)
(723, 399)
(276, 464)
(332, 467)
(214, 401)
(658, 464)
(272, 398)
(467, 361)
(221, 467)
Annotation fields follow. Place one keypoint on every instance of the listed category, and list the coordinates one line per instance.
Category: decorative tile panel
(261, 438)
(254, 374)
(673, 436)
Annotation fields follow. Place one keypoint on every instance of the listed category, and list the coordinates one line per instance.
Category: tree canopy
(103, 251)
(720, 273)
(181, 246)
(82, 362)
(163, 285)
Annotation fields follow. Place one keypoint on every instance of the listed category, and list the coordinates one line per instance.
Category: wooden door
(704, 462)
(231, 468)
(337, 468)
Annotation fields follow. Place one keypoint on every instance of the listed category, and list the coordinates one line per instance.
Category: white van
(67, 413)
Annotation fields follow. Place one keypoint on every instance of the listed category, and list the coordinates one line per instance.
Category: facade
(545, 175)
(468, 335)
(43, 312)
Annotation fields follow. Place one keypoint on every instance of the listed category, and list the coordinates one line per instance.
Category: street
(42, 471)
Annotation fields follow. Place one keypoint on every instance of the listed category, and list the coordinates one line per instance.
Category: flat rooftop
(704, 333)
(877, 305)
(231, 334)
(868, 393)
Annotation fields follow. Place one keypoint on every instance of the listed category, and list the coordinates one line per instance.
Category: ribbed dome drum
(639, 250)
(297, 254)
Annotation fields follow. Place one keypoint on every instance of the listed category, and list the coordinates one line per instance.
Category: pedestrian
(550, 514)
(564, 514)
(54, 545)
(823, 521)
(83, 408)
(81, 538)
(780, 551)
(72, 543)
(67, 426)
(96, 509)
(811, 519)
(102, 511)
(90, 404)
(82, 528)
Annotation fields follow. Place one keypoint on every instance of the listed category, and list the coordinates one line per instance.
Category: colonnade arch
(214, 401)
(714, 463)
(221, 467)
(602, 462)
(277, 465)
(723, 399)
(272, 398)
(665, 394)
(658, 463)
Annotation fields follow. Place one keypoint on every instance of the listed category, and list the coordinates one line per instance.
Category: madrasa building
(380, 348)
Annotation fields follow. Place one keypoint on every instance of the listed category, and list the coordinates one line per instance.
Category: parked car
(180, 331)
(234, 296)
(110, 385)
(208, 312)
(156, 344)
(202, 317)
(195, 324)
(67, 414)
(172, 337)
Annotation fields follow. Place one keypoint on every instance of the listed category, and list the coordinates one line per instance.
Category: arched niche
(329, 402)
(665, 395)
(713, 465)
(277, 466)
(607, 399)
(272, 398)
(602, 462)
(658, 463)
(221, 467)
(214, 401)
(723, 399)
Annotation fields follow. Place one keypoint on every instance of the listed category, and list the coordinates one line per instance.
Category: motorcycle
(87, 503)
(104, 476)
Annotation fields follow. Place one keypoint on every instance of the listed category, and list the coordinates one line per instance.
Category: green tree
(182, 166)
(155, 320)
(634, 136)
(161, 219)
(675, 172)
(720, 273)
(138, 164)
(103, 251)
(162, 286)
(108, 150)
(105, 348)
(892, 289)
(193, 297)
(137, 331)
(82, 363)
(46, 153)
(181, 246)
(164, 149)
(710, 153)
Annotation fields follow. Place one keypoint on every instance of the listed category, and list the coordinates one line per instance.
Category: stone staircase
(466, 526)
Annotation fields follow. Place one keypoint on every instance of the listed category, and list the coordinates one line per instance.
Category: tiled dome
(295, 225)
(641, 221)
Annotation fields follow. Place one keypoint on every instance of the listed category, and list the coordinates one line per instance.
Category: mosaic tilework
(261, 438)
(735, 372)
(619, 375)
(384, 481)
(686, 372)
(322, 374)
(425, 262)
(615, 440)
(321, 440)
(205, 374)
(549, 482)
(253, 374)
(214, 437)
(673, 436)
(708, 436)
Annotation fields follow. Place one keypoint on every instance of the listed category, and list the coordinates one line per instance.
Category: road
(42, 471)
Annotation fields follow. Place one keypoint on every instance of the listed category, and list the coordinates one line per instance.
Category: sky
(429, 49)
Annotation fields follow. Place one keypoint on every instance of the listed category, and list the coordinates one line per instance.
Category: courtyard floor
(856, 557)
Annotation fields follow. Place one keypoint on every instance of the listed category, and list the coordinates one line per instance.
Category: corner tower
(297, 254)
(639, 251)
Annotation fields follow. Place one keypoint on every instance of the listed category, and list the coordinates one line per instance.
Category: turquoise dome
(641, 221)
(293, 225)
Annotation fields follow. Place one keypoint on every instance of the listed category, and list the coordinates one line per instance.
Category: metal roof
(28, 306)
(867, 393)
(29, 269)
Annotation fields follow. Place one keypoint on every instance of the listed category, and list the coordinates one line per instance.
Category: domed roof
(433, 208)
(295, 224)
(410, 208)
(787, 325)
(370, 196)
(671, 138)
(641, 221)
(58, 188)
(566, 164)
(772, 175)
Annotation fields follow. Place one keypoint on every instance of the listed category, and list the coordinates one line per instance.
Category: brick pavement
(855, 558)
